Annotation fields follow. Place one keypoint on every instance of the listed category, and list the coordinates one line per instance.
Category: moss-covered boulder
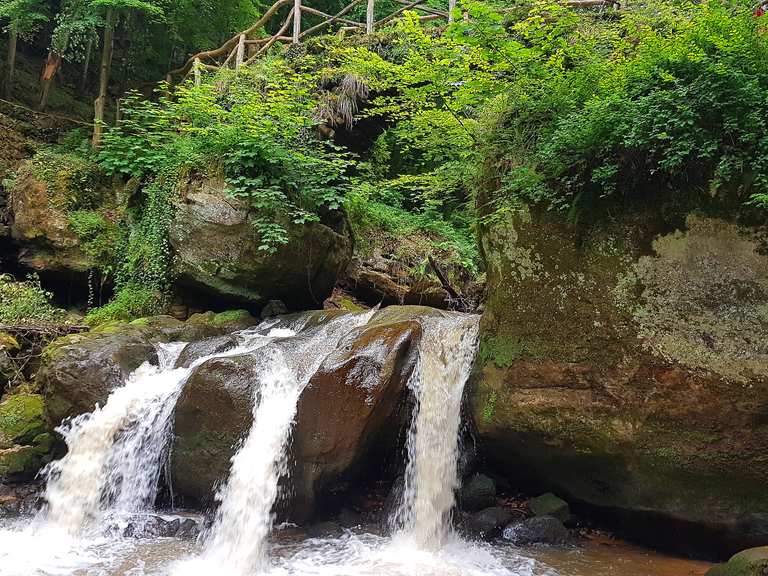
(218, 259)
(48, 190)
(25, 444)
(81, 370)
(624, 365)
(752, 562)
(21, 419)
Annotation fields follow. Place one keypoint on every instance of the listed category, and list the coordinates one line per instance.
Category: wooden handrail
(234, 47)
(229, 44)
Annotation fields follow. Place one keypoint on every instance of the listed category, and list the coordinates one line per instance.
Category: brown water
(615, 558)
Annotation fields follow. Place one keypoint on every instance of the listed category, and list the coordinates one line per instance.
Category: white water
(237, 543)
(445, 359)
(113, 458)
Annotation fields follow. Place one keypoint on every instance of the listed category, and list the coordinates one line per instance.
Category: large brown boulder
(214, 412)
(349, 405)
(218, 255)
(48, 188)
(624, 365)
(347, 414)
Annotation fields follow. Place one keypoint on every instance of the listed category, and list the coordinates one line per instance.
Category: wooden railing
(242, 49)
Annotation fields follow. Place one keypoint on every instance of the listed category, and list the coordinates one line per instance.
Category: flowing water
(112, 469)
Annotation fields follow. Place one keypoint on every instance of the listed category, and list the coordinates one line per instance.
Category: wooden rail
(243, 49)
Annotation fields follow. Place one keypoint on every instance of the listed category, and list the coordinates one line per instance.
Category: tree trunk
(52, 64)
(11, 68)
(296, 21)
(86, 66)
(106, 64)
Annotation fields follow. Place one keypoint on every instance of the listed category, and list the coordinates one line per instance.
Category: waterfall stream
(445, 359)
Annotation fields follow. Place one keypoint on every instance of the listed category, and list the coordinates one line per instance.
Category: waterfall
(115, 453)
(446, 354)
(237, 542)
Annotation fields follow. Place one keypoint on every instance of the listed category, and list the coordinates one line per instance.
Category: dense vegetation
(409, 129)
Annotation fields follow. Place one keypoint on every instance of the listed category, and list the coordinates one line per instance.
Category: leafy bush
(670, 98)
(132, 301)
(27, 302)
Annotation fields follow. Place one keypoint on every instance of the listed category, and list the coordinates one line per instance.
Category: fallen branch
(443, 279)
(45, 329)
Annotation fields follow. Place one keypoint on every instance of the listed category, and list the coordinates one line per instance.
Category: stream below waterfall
(108, 481)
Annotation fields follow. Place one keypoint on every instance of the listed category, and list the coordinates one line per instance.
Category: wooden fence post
(296, 20)
(369, 12)
(240, 53)
(451, 8)
(196, 69)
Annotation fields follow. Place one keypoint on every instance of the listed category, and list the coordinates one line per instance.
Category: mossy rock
(550, 505)
(752, 562)
(21, 418)
(625, 366)
(218, 259)
(19, 463)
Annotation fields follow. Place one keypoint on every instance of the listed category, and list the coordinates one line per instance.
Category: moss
(19, 461)
(21, 418)
(502, 351)
(73, 182)
(8, 342)
(43, 443)
(752, 562)
(489, 408)
(230, 317)
(351, 306)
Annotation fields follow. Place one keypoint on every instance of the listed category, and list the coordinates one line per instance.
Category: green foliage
(99, 238)
(26, 302)
(24, 17)
(132, 301)
(259, 134)
(667, 98)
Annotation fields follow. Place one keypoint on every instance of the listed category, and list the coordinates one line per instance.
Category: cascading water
(422, 543)
(445, 360)
(114, 455)
(237, 542)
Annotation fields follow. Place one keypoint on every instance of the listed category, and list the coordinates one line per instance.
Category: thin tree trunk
(11, 68)
(369, 12)
(106, 64)
(296, 21)
(86, 66)
(52, 64)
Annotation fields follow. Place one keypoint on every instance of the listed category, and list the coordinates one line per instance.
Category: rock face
(218, 256)
(625, 366)
(49, 187)
(80, 370)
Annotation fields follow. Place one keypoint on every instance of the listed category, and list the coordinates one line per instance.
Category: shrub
(27, 302)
